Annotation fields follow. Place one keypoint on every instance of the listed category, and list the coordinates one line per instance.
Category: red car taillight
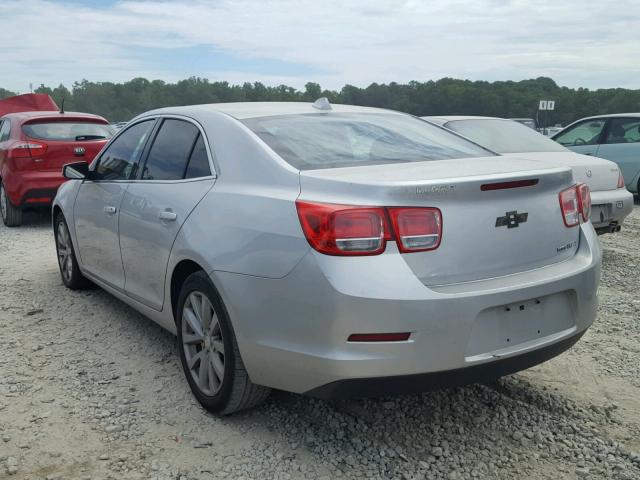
(584, 196)
(344, 230)
(352, 230)
(575, 202)
(621, 183)
(28, 149)
(417, 229)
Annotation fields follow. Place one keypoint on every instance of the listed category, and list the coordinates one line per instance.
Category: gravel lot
(91, 389)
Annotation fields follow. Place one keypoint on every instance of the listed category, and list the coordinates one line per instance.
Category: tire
(11, 215)
(69, 270)
(206, 340)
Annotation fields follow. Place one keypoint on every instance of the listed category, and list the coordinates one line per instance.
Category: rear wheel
(209, 351)
(11, 215)
(69, 270)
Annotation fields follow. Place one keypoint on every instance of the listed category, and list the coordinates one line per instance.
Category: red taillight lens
(570, 206)
(621, 183)
(416, 229)
(584, 196)
(575, 202)
(344, 230)
(28, 149)
(351, 230)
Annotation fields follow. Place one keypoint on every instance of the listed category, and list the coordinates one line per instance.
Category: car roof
(242, 110)
(611, 115)
(453, 118)
(25, 116)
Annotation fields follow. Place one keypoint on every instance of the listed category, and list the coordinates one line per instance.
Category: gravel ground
(89, 389)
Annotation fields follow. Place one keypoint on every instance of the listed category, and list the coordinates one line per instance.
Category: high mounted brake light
(575, 203)
(347, 230)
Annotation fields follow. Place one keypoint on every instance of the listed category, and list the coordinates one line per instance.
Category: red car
(34, 146)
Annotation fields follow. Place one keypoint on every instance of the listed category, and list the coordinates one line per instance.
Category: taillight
(575, 202)
(570, 206)
(621, 183)
(352, 230)
(417, 229)
(344, 230)
(584, 195)
(28, 149)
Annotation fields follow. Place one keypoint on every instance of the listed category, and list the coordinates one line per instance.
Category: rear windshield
(313, 141)
(504, 136)
(74, 131)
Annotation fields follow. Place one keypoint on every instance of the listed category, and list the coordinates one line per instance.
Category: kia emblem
(79, 151)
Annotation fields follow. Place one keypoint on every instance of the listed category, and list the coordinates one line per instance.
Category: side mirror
(76, 171)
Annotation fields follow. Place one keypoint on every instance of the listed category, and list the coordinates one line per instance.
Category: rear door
(622, 145)
(97, 206)
(67, 139)
(583, 137)
(176, 175)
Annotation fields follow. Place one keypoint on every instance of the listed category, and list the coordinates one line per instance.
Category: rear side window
(312, 141)
(69, 131)
(199, 161)
(5, 128)
(170, 151)
(624, 130)
(120, 158)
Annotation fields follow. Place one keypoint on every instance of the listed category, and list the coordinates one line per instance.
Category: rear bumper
(404, 384)
(32, 188)
(610, 207)
(292, 332)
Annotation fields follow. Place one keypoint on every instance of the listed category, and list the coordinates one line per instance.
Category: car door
(97, 205)
(175, 176)
(622, 145)
(583, 137)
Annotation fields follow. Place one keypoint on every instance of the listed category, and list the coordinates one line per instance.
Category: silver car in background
(615, 137)
(611, 202)
(334, 251)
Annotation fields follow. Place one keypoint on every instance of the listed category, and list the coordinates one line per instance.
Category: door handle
(110, 210)
(168, 216)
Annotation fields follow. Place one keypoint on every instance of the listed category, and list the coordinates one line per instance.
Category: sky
(578, 43)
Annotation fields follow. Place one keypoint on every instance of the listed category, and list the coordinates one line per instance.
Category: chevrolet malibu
(612, 202)
(334, 251)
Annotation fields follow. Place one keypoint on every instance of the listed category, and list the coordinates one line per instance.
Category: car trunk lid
(487, 231)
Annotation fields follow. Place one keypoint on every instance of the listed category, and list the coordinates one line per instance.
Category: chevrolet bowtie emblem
(512, 219)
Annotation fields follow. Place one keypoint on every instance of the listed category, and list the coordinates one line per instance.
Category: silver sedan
(334, 251)
(612, 202)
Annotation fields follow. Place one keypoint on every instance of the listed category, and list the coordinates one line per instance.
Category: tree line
(447, 96)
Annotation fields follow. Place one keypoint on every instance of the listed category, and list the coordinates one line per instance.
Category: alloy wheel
(65, 252)
(202, 343)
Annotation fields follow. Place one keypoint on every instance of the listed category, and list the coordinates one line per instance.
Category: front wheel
(209, 352)
(11, 215)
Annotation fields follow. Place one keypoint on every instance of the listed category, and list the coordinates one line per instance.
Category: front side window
(170, 152)
(584, 133)
(313, 141)
(504, 136)
(624, 130)
(119, 160)
(73, 131)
